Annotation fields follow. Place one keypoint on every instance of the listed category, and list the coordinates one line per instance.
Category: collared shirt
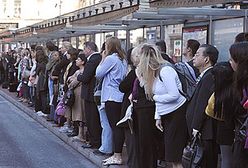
(113, 70)
(203, 72)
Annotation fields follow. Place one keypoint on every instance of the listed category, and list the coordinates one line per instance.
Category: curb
(88, 153)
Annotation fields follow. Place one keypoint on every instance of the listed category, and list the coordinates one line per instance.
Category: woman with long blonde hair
(162, 85)
(113, 69)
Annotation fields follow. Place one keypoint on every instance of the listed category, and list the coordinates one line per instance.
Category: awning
(186, 3)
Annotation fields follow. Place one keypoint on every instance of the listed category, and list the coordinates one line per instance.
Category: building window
(17, 8)
(4, 6)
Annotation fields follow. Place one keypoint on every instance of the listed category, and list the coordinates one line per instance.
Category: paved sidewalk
(88, 153)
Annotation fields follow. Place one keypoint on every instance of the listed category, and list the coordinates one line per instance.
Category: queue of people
(110, 98)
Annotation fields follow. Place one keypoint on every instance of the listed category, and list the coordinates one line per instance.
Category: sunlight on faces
(79, 62)
(199, 60)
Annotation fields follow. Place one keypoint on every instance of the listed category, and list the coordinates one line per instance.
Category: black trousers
(210, 157)
(132, 161)
(93, 123)
(145, 133)
(41, 103)
(113, 112)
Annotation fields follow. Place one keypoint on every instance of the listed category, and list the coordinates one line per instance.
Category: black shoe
(72, 134)
(86, 145)
(31, 105)
(99, 153)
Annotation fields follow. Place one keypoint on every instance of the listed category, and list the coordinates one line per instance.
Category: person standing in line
(113, 69)
(106, 148)
(162, 47)
(162, 85)
(189, 52)
(239, 63)
(224, 105)
(126, 87)
(197, 120)
(88, 80)
(77, 109)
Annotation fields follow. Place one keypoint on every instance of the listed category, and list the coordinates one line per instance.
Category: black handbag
(241, 132)
(97, 92)
(69, 98)
(193, 153)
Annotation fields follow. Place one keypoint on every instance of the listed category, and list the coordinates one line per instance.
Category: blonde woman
(162, 85)
(113, 69)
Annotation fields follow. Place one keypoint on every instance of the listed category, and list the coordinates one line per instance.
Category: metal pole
(245, 21)
(127, 39)
(77, 42)
(162, 32)
(116, 33)
(210, 30)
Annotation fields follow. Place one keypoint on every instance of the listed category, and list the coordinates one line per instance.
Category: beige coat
(78, 112)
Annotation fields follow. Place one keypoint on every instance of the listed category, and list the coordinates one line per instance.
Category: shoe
(64, 129)
(71, 134)
(112, 161)
(77, 138)
(49, 119)
(99, 153)
(25, 100)
(31, 105)
(86, 145)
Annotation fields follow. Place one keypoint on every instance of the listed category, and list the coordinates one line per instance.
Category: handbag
(97, 92)
(60, 109)
(244, 101)
(193, 153)
(69, 98)
(210, 109)
(242, 131)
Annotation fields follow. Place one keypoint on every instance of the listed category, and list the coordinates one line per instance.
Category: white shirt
(166, 92)
(203, 72)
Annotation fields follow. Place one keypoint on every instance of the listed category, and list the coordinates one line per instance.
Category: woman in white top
(162, 85)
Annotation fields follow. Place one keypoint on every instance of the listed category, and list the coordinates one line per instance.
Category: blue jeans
(50, 89)
(107, 139)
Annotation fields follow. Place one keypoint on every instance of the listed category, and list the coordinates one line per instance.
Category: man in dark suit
(197, 121)
(88, 84)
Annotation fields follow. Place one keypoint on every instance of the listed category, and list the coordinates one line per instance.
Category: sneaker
(41, 114)
(64, 129)
(112, 161)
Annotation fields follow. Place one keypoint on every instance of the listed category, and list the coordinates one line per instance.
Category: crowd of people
(110, 97)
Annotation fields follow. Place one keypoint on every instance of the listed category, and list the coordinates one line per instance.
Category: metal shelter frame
(114, 15)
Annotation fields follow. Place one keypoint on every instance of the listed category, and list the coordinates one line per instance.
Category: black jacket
(126, 87)
(88, 78)
(195, 115)
(60, 68)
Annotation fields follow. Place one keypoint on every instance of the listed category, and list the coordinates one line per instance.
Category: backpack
(187, 77)
(188, 80)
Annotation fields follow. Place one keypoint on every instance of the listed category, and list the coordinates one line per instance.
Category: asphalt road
(24, 143)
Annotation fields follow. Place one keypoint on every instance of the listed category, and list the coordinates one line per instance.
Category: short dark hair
(193, 45)
(50, 46)
(73, 53)
(91, 45)
(162, 45)
(241, 37)
(211, 52)
(38, 47)
(82, 57)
